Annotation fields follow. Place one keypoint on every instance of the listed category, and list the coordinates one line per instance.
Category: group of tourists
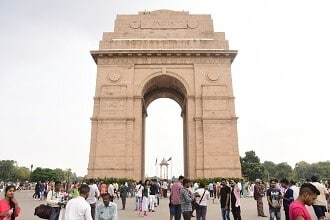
(185, 198)
(293, 199)
(94, 201)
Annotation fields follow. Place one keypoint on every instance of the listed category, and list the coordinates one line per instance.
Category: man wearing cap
(258, 195)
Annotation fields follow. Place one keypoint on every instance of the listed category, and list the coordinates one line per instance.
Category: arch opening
(164, 139)
(161, 91)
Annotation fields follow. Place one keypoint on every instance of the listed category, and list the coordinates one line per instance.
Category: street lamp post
(68, 183)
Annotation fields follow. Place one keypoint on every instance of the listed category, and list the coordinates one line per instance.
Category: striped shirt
(186, 198)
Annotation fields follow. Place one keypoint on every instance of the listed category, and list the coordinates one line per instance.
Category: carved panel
(112, 108)
(215, 105)
(214, 90)
(113, 91)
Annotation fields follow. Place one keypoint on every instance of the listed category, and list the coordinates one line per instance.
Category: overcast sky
(47, 78)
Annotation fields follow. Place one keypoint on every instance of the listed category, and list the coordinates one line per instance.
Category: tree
(251, 166)
(283, 170)
(43, 174)
(7, 171)
(302, 170)
(23, 173)
(270, 168)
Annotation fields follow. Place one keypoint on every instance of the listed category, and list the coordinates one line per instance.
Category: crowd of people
(292, 198)
(95, 201)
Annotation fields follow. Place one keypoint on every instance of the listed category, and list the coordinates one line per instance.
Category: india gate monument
(164, 54)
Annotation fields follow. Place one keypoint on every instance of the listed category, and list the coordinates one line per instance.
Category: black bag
(195, 205)
(43, 211)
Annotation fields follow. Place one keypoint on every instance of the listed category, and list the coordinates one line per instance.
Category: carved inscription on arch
(163, 24)
(113, 91)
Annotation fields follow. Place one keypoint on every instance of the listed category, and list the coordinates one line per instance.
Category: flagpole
(171, 168)
(156, 168)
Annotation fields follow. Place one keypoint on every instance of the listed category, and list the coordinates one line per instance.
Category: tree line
(252, 169)
(10, 172)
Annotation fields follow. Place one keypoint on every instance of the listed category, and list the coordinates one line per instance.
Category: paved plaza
(248, 207)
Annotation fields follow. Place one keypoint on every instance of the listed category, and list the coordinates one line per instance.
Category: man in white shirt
(93, 194)
(78, 208)
(111, 190)
(320, 203)
(295, 189)
(138, 195)
(164, 187)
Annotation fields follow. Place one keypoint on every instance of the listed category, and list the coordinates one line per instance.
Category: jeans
(225, 214)
(55, 213)
(187, 215)
(93, 206)
(275, 213)
(236, 212)
(177, 211)
(201, 212)
(138, 201)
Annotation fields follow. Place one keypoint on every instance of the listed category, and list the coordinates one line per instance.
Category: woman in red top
(9, 208)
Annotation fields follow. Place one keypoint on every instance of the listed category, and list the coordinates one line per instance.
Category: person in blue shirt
(287, 197)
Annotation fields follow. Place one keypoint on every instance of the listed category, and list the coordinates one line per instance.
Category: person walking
(78, 208)
(152, 195)
(123, 194)
(107, 209)
(145, 198)
(307, 195)
(138, 196)
(9, 208)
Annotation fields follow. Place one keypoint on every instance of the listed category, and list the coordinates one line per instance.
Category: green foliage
(43, 174)
(206, 181)
(108, 180)
(23, 173)
(283, 170)
(251, 170)
(251, 166)
(8, 171)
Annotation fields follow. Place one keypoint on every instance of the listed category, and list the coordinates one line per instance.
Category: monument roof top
(163, 11)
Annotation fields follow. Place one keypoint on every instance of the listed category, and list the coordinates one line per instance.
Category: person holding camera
(55, 199)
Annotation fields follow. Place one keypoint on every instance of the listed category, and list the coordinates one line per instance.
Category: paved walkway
(248, 207)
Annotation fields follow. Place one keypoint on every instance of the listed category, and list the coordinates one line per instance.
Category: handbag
(43, 211)
(195, 205)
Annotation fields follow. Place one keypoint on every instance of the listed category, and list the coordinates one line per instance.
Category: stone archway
(164, 54)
